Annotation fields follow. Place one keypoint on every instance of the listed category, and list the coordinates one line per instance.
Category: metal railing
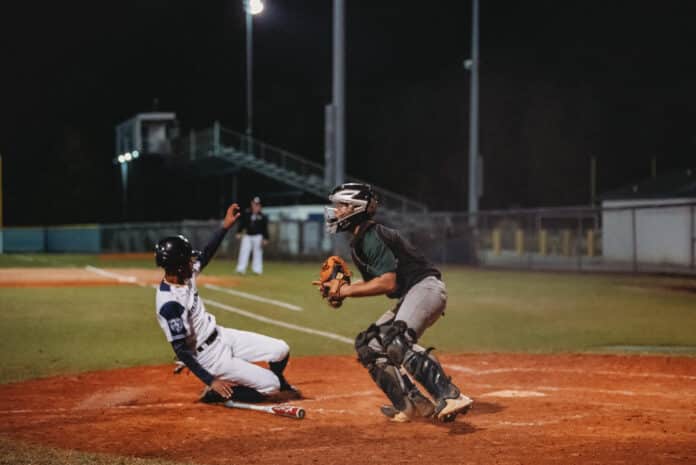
(276, 163)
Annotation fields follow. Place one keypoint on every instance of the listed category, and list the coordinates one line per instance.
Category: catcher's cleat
(397, 416)
(418, 407)
(448, 409)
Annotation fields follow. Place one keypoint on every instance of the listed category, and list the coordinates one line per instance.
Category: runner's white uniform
(223, 352)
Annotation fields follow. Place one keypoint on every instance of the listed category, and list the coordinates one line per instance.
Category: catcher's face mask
(353, 203)
(337, 217)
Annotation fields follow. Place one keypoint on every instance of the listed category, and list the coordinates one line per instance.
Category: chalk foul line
(107, 274)
(258, 298)
(254, 316)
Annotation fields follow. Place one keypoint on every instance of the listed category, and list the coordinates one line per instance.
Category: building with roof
(652, 222)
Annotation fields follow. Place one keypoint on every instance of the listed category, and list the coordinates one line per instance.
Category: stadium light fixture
(135, 154)
(128, 156)
(254, 7)
(121, 159)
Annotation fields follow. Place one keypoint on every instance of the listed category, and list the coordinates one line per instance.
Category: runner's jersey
(181, 312)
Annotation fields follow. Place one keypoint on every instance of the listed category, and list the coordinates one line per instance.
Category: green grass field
(62, 330)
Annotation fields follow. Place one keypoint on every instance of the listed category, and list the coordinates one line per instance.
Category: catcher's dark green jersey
(377, 250)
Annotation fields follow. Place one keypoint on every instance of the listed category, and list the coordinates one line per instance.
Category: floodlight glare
(121, 159)
(135, 154)
(255, 7)
(128, 156)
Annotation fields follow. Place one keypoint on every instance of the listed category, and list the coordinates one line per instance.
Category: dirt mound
(530, 409)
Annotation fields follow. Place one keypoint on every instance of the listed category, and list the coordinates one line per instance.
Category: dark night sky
(560, 81)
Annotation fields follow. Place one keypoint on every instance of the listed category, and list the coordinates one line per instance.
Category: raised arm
(214, 242)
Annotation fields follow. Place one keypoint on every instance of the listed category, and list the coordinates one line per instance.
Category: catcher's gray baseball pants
(420, 308)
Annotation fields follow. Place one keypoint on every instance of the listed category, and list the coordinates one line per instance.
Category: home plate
(510, 393)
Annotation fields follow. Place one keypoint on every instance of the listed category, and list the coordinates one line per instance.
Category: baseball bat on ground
(282, 410)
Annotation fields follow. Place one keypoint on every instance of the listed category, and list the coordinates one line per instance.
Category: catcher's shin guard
(390, 381)
(428, 371)
(423, 406)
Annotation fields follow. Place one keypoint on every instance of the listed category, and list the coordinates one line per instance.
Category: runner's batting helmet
(174, 254)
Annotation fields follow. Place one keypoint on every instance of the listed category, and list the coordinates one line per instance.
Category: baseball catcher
(388, 348)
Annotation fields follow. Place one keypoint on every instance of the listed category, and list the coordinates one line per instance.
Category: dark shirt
(377, 250)
(254, 223)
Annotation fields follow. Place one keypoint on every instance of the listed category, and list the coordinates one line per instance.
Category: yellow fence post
(542, 242)
(496, 241)
(565, 242)
(519, 241)
(590, 243)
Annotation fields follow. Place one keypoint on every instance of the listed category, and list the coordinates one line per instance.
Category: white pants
(250, 243)
(232, 354)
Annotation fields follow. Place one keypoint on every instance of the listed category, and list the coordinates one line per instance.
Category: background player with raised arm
(222, 358)
(391, 266)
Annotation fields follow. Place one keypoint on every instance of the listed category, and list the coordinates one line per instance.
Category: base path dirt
(90, 276)
(530, 409)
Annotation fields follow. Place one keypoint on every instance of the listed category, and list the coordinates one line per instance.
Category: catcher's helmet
(361, 197)
(174, 253)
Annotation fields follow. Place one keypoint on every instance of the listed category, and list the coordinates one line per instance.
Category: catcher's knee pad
(397, 339)
(390, 381)
(367, 355)
(425, 368)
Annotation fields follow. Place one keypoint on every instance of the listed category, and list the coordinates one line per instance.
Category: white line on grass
(117, 276)
(258, 298)
(254, 316)
(248, 314)
(316, 332)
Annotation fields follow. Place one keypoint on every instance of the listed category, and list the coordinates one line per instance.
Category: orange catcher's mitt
(334, 273)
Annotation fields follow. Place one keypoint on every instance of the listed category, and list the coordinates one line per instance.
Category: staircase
(278, 164)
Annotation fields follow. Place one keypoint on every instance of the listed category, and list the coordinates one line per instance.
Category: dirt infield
(530, 409)
(90, 276)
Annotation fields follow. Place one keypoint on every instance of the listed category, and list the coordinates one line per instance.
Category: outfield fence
(646, 236)
(653, 236)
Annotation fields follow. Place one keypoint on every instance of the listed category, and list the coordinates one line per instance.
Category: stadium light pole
(472, 65)
(339, 92)
(252, 8)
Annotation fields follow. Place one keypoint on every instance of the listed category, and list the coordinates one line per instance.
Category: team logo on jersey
(176, 325)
